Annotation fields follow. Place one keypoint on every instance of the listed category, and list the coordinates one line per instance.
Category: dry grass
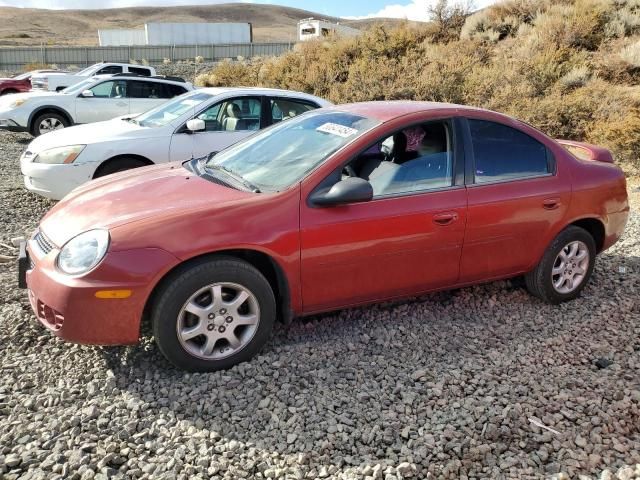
(555, 65)
(271, 23)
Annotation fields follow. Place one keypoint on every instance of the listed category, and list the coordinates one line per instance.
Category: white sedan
(92, 100)
(192, 125)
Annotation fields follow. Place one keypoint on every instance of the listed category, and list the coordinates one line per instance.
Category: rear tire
(8, 91)
(213, 314)
(48, 122)
(565, 268)
(119, 165)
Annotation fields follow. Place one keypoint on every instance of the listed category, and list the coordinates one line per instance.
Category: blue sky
(411, 9)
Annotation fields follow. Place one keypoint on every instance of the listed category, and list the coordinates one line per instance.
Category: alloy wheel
(50, 124)
(218, 320)
(570, 267)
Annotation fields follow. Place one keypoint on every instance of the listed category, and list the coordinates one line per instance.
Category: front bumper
(11, 125)
(68, 305)
(55, 181)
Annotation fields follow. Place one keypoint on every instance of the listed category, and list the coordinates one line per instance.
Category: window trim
(470, 166)
(458, 162)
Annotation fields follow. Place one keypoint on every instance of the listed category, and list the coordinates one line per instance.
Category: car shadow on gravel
(381, 376)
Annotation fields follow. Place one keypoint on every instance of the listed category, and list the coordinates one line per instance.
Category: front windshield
(86, 72)
(167, 112)
(79, 87)
(284, 154)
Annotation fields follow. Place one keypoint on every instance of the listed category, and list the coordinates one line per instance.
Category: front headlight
(18, 102)
(59, 155)
(83, 252)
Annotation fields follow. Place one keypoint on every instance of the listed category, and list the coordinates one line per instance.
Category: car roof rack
(170, 77)
(160, 77)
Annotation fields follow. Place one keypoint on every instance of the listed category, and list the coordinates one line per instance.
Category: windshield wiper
(238, 178)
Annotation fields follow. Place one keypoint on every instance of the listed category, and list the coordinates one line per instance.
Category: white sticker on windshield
(336, 129)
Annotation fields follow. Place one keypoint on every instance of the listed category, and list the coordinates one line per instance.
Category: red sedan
(19, 83)
(338, 207)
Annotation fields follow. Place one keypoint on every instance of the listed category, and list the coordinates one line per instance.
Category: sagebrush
(570, 68)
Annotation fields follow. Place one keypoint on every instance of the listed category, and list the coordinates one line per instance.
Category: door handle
(121, 104)
(445, 218)
(551, 203)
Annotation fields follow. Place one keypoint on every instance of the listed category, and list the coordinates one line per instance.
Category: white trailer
(311, 28)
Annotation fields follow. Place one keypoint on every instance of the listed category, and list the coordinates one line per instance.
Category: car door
(226, 122)
(109, 100)
(144, 95)
(406, 240)
(517, 198)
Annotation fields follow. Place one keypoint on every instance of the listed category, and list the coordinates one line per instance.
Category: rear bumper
(68, 306)
(615, 228)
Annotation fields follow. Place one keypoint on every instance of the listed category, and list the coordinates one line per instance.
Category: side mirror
(349, 190)
(195, 125)
(86, 94)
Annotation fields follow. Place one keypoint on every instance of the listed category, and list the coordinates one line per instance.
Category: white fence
(15, 58)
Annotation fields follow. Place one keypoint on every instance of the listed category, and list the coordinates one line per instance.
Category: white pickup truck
(56, 81)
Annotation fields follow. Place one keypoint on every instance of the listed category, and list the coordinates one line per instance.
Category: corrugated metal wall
(197, 33)
(117, 38)
(15, 58)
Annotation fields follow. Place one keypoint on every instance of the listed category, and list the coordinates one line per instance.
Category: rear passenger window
(173, 90)
(139, 89)
(110, 70)
(140, 71)
(285, 108)
(504, 153)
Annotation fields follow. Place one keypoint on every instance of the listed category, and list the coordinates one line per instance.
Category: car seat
(233, 120)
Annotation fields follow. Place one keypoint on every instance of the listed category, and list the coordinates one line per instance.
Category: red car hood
(162, 190)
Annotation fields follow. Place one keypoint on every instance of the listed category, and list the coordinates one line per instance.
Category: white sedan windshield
(167, 112)
(282, 155)
(80, 86)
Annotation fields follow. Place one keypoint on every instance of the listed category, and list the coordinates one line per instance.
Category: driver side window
(235, 114)
(110, 89)
(413, 159)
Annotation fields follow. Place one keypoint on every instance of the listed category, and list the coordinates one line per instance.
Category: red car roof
(388, 110)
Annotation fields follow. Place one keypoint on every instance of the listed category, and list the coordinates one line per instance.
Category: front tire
(117, 165)
(48, 122)
(213, 314)
(565, 268)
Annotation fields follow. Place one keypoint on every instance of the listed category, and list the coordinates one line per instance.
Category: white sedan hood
(92, 133)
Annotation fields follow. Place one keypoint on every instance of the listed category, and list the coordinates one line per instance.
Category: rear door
(226, 122)
(517, 197)
(145, 95)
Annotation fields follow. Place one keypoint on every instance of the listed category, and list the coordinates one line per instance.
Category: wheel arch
(596, 229)
(51, 109)
(119, 156)
(263, 262)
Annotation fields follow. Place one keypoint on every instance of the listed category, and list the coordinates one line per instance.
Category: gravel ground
(444, 386)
